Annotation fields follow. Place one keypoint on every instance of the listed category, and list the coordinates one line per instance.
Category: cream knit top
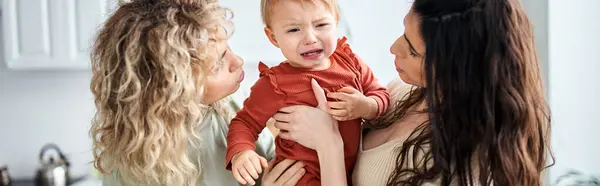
(374, 166)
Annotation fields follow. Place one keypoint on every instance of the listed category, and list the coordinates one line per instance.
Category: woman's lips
(241, 78)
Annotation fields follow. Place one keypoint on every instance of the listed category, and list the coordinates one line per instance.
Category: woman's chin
(409, 81)
(233, 90)
(236, 88)
(404, 78)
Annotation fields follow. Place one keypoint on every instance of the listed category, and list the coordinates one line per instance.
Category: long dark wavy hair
(488, 119)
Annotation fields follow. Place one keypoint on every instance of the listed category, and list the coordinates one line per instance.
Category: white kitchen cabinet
(50, 34)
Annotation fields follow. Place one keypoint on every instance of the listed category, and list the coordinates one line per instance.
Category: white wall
(537, 11)
(574, 35)
(375, 26)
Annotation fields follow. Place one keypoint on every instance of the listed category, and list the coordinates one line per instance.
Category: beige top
(374, 166)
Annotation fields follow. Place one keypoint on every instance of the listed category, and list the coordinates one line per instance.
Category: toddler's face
(305, 34)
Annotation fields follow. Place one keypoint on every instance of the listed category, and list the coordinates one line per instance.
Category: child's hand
(246, 166)
(352, 104)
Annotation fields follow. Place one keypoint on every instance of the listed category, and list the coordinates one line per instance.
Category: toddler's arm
(353, 104)
(261, 105)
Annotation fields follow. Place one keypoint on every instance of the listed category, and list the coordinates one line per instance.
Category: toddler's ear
(271, 36)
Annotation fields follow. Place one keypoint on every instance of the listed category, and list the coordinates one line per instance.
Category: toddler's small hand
(352, 104)
(246, 166)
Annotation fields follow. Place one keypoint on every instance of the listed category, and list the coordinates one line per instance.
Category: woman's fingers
(289, 109)
(337, 105)
(286, 135)
(338, 96)
(319, 94)
(283, 126)
(282, 166)
(293, 170)
(282, 117)
(338, 113)
(295, 178)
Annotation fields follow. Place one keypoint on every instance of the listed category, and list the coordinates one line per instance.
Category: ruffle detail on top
(344, 47)
(266, 71)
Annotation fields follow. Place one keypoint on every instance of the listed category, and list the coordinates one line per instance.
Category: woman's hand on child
(246, 166)
(310, 127)
(352, 104)
(285, 173)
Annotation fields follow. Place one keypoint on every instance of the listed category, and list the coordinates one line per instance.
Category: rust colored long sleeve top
(284, 85)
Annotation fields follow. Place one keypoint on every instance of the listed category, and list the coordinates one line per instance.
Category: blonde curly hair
(149, 63)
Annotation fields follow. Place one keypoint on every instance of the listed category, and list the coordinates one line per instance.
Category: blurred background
(44, 71)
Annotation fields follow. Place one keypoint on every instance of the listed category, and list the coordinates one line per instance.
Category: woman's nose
(236, 63)
(394, 47)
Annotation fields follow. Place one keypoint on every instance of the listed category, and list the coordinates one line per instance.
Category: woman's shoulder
(398, 88)
(111, 179)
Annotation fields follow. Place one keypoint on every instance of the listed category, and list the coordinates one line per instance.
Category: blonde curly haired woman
(162, 72)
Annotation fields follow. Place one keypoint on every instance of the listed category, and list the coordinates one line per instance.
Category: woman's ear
(271, 36)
